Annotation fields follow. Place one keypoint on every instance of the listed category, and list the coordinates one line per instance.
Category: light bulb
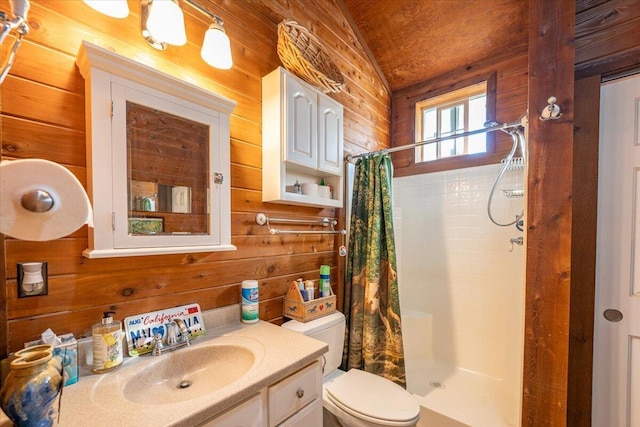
(112, 8)
(216, 48)
(165, 22)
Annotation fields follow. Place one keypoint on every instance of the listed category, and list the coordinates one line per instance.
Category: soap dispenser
(107, 344)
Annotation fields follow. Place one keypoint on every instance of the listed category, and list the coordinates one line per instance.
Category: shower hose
(518, 139)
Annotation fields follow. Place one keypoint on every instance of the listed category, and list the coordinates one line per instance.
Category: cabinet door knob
(300, 393)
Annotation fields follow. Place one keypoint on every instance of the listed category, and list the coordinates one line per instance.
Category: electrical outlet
(32, 279)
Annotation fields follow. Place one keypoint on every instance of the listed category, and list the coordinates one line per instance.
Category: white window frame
(450, 99)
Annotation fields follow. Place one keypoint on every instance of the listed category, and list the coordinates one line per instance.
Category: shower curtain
(371, 303)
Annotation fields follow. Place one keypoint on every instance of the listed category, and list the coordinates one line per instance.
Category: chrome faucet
(177, 337)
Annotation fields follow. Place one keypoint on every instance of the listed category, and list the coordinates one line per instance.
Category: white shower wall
(459, 270)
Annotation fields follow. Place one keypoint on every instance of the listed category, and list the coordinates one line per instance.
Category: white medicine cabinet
(157, 159)
(302, 143)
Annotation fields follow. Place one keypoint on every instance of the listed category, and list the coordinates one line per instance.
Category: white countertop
(99, 399)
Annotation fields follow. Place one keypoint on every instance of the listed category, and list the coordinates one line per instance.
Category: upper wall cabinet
(302, 142)
(157, 160)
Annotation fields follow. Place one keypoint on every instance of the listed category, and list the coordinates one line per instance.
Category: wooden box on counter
(294, 307)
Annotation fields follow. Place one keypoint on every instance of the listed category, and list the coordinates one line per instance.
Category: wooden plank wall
(606, 36)
(43, 116)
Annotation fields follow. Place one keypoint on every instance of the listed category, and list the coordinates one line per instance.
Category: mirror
(167, 172)
(158, 160)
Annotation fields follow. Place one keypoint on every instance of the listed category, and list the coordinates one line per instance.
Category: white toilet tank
(328, 329)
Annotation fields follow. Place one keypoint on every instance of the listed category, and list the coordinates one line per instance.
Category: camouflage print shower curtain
(372, 308)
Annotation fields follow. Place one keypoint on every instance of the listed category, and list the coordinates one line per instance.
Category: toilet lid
(366, 395)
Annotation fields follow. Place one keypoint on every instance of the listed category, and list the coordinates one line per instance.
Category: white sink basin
(184, 374)
(189, 372)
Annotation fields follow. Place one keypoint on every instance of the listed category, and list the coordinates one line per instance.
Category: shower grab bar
(262, 219)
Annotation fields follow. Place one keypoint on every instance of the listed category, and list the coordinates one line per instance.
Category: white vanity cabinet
(250, 413)
(295, 401)
(302, 141)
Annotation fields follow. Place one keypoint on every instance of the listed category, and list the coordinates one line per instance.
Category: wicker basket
(301, 53)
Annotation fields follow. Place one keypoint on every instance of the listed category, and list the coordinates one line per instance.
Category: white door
(616, 374)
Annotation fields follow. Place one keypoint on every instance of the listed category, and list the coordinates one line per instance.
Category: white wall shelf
(302, 141)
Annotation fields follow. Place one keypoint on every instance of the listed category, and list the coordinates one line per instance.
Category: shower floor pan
(472, 399)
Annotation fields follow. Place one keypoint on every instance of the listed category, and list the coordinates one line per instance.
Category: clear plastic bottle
(107, 344)
(309, 289)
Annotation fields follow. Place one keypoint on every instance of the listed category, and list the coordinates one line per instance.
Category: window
(452, 113)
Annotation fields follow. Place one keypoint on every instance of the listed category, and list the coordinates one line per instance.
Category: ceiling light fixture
(112, 8)
(162, 23)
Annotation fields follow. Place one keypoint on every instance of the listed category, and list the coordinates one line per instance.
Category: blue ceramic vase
(31, 387)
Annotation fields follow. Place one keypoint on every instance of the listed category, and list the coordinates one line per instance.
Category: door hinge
(111, 109)
(113, 221)
(218, 178)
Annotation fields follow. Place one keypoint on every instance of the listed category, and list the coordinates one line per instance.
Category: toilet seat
(372, 398)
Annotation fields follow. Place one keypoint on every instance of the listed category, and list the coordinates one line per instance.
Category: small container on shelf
(310, 189)
(324, 191)
(297, 188)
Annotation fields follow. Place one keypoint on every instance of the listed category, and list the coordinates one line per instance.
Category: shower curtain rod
(494, 126)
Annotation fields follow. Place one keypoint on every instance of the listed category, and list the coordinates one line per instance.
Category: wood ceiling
(416, 40)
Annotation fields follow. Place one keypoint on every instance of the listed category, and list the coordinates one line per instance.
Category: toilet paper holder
(42, 200)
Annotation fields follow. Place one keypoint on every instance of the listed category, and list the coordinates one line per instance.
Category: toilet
(355, 398)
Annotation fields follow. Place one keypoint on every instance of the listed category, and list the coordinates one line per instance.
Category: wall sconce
(216, 47)
(162, 23)
(112, 8)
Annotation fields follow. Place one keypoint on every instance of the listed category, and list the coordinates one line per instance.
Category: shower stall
(461, 284)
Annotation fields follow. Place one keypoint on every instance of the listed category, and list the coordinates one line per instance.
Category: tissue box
(67, 352)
